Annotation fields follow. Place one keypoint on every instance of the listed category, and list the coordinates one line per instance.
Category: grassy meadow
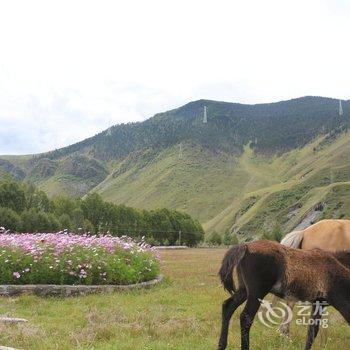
(181, 313)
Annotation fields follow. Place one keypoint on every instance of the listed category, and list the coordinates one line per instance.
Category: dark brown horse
(268, 267)
(331, 235)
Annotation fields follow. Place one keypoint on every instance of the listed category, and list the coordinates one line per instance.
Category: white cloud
(69, 69)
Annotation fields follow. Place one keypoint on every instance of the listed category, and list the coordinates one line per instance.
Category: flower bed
(68, 259)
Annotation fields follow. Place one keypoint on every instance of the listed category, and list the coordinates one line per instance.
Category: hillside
(316, 173)
(248, 167)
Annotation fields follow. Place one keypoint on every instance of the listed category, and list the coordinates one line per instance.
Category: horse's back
(329, 235)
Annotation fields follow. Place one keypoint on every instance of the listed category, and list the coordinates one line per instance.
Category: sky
(70, 69)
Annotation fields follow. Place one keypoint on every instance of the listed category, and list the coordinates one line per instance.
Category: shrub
(9, 219)
(229, 238)
(277, 233)
(265, 234)
(38, 221)
(49, 258)
(65, 222)
(215, 239)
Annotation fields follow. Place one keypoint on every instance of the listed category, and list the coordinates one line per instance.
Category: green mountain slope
(316, 173)
(249, 168)
(199, 182)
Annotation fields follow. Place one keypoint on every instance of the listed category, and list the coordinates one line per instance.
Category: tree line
(25, 208)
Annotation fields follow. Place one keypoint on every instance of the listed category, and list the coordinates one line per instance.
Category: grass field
(181, 313)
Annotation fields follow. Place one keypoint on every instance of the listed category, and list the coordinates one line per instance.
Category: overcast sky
(69, 69)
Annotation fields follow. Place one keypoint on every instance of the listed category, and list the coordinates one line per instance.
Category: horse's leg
(342, 304)
(314, 325)
(228, 308)
(247, 318)
(284, 327)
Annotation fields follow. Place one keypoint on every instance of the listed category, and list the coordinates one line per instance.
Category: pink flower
(55, 250)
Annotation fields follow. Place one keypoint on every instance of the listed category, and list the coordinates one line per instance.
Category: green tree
(88, 227)
(65, 222)
(36, 199)
(43, 222)
(214, 239)
(64, 205)
(9, 219)
(53, 222)
(77, 219)
(37, 221)
(92, 214)
(94, 210)
(12, 195)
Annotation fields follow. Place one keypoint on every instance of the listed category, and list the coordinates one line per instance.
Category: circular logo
(273, 315)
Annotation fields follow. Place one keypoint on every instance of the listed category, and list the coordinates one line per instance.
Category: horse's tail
(293, 239)
(231, 259)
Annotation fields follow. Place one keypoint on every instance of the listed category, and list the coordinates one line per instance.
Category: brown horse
(330, 235)
(268, 267)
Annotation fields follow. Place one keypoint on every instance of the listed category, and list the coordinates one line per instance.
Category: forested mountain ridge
(272, 127)
(175, 160)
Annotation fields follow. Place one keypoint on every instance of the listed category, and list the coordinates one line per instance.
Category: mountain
(249, 168)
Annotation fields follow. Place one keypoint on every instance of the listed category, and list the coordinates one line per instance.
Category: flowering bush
(59, 258)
